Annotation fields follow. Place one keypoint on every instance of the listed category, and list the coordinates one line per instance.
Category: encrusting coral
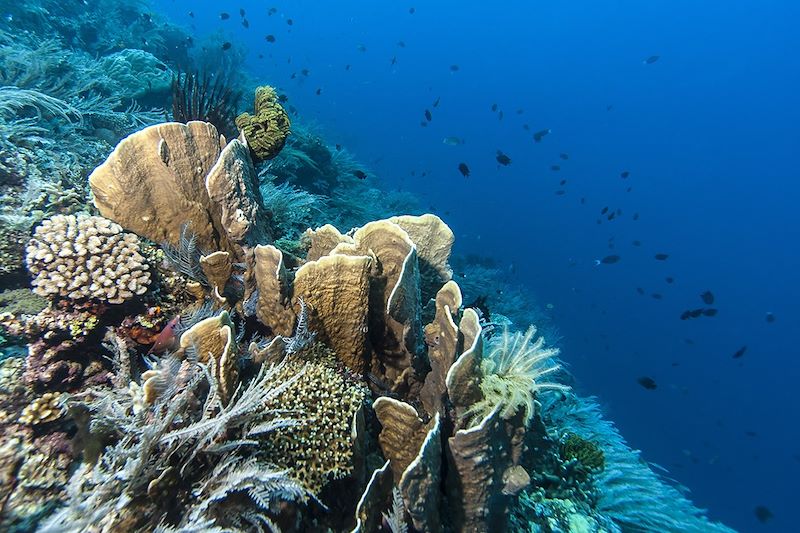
(86, 257)
(266, 130)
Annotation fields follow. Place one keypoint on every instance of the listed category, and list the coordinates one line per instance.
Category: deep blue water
(709, 133)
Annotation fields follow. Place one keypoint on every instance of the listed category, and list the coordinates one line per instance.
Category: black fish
(347, 67)
(740, 352)
(770, 317)
(562, 182)
(564, 156)
(637, 243)
(270, 38)
(686, 315)
(624, 174)
(526, 127)
(710, 311)
(503, 159)
(191, 14)
(436, 102)
(226, 46)
(657, 296)
(652, 59)
(669, 279)
(224, 16)
(454, 68)
(555, 168)
(561, 192)
(647, 382)
(707, 297)
(289, 22)
(245, 23)
(318, 91)
(661, 257)
(604, 210)
(464, 169)
(411, 10)
(539, 135)
(500, 115)
(360, 174)
(610, 259)
(401, 44)
(640, 290)
(394, 60)
(494, 108)
(612, 215)
(305, 72)
(428, 115)
(636, 216)
(272, 11)
(763, 514)
(338, 147)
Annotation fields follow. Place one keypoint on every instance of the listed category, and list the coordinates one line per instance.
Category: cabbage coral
(513, 372)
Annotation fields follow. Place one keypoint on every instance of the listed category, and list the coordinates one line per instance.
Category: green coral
(21, 302)
(586, 452)
(325, 399)
(265, 131)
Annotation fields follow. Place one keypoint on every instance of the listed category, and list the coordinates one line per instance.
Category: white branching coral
(514, 372)
(86, 258)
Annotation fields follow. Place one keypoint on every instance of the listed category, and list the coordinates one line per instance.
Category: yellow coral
(265, 131)
(320, 447)
(46, 408)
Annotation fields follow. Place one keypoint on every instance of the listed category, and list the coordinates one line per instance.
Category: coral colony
(195, 339)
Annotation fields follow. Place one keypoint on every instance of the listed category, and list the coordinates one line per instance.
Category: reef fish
(224, 16)
(167, 338)
(503, 159)
(464, 169)
(647, 382)
(539, 135)
(707, 297)
(608, 260)
(652, 59)
(661, 257)
(428, 115)
(453, 141)
(740, 352)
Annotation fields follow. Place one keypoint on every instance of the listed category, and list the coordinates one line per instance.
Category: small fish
(272, 11)
(770, 317)
(562, 182)
(166, 339)
(401, 44)
(624, 174)
(640, 290)
(539, 135)
(191, 14)
(305, 72)
(710, 311)
(503, 159)
(661, 257)
(226, 46)
(740, 352)
(609, 260)
(612, 215)
(526, 127)
(650, 60)
(245, 23)
(361, 48)
(669, 279)
(520, 111)
(561, 192)
(647, 382)
(637, 243)
(394, 60)
(494, 108)
(763, 514)
(270, 38)
(604, 210)
(454, 68)
(707, 297)
(453, 141)
(282, 98)
(289, 22)
(428, 115)
(411, 10)
(464, 169)
(636, 216)
(224, 16)
(360, 174)
(318, 91)
(241, 12)
(423, 124)
(657, 296)
(500, 115)
(563, 156)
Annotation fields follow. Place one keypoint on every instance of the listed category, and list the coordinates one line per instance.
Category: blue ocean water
(709, 135)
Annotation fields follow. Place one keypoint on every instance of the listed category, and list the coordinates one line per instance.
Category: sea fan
(513, 374)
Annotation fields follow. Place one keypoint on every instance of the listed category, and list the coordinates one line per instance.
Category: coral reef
(86, 257)
(266, 130)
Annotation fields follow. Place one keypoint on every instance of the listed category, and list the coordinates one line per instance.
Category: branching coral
(513, 373)
(86, 257)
